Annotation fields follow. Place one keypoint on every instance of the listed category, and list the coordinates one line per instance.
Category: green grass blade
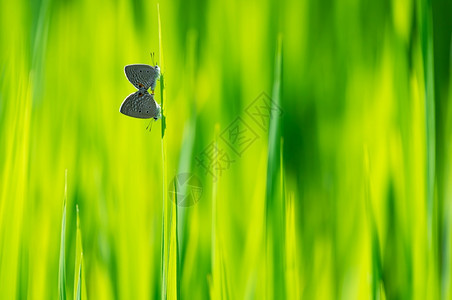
(78, 290)
(162, 73)
(375, 243)
(274, 206)
(218, 279)
(214, 274)
(424, 10)
(169, 257)
(79, 279)
(185, 163)
(176, 237)
(62, 268)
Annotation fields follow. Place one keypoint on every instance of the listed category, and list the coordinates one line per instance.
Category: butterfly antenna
(150, 125)
(152, 58)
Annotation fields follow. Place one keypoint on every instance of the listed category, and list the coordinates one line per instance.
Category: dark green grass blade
(426, 39)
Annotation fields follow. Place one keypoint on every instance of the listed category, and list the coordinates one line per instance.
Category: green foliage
(343, 194)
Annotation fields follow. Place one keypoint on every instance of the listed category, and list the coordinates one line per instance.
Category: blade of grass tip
(274, 215)
(162, 71)
(62, 268)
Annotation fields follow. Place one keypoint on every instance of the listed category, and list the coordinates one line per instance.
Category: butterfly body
(141, 104)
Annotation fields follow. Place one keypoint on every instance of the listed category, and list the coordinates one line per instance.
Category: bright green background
(359, 208)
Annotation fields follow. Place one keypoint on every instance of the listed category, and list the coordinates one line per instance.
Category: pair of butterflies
(141, 104)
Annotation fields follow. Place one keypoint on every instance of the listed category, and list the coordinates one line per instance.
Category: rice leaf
(78, 290)
(79, 278)
(274, 202)
(62, 268)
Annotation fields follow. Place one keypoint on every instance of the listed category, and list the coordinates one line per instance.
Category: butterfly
(141, 104)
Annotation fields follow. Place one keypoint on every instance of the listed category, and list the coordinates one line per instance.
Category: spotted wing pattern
(142, 77)
(140, 105)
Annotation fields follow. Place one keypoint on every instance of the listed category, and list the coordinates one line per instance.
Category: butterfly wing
(140, 105)
(142, 77)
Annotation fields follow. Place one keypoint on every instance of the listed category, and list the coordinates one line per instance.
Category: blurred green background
(343, 193)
